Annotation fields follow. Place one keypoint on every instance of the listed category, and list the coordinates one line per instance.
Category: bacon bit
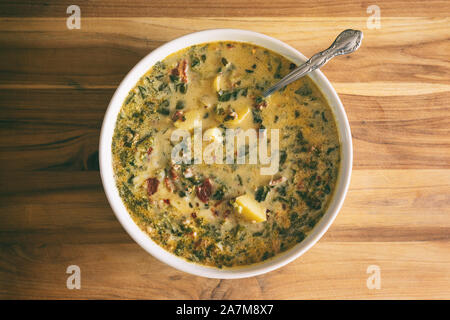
(168, 184)
(300, 185)
(229, 45)
(261, 105)
(152, 185)
(283, 206)
(277, 181)
(218, 203)
(175, 71)
(166, 201)
(214, 211)
(182, 70)
(150, 150)
(193, 215)
(178, 115)
(226, 213)
(204, 190)
(173, 173)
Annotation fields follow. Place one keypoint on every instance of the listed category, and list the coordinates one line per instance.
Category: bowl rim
(140, 237)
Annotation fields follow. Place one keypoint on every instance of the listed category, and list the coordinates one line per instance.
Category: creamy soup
(220, 214)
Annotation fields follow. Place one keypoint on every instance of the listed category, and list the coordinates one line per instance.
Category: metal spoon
(346, 42)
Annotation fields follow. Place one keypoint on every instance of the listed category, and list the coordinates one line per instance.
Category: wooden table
(56, 83)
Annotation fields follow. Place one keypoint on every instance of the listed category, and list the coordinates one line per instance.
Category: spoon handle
(346, 42)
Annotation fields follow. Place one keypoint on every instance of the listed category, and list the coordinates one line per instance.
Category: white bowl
(141, 237)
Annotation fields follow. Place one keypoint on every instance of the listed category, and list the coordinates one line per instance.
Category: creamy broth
(225, 215)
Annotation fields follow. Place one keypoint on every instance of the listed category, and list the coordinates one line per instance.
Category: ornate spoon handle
(346, 42)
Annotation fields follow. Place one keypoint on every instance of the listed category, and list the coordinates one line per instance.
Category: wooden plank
(396, 106)
(382, 205)
(328, 271)
(59, 130)
(391, 62)
(239, 8)
(55, 85)
(396, 219)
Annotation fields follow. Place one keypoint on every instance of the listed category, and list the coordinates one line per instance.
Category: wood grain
(218, 8)
(55, 85)
(60, 218)
(105, 49)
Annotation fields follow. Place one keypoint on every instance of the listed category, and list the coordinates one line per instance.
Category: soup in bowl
(209, 176)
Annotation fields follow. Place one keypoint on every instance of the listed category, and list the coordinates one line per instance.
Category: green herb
(224, 96)
(257, 118)
(249, 71)
(164, 108)
(219, 110)
(283, 157)
(282, 190)
(162, 86)
(142, 91)
(130, 97)
(277, 74)
(261, 193)
(224, 61)
(329, 150)
(179, 105)
(195, 61)
(164, 111)
(218, 195)
(259, 100)
(240, 180)
(310, 200)
(305, 90)
(182, 87)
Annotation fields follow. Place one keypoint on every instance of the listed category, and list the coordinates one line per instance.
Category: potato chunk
(250, 209)
(242, 112)
(221, 82)
(191, 119)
